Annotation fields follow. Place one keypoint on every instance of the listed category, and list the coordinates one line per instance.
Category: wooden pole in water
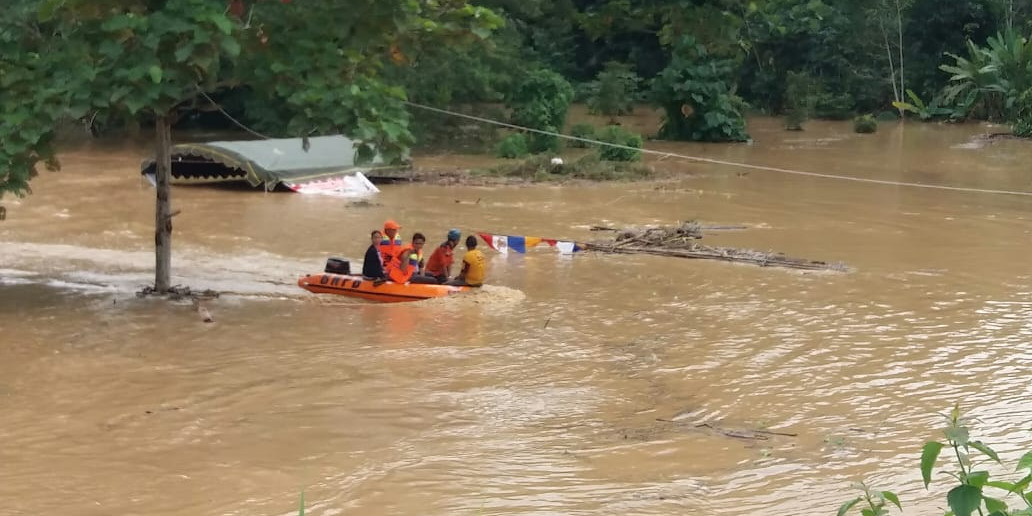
(162, 211)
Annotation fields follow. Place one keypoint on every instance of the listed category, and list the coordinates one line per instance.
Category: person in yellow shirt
(474, 266)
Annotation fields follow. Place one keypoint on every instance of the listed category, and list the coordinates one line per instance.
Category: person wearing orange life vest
(390, 244)
(440, 263)
(405, 266)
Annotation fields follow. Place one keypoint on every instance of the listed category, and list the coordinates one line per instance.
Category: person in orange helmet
(391, 243)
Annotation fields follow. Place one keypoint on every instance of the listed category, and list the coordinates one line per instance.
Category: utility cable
(230, 117)
(722, 162)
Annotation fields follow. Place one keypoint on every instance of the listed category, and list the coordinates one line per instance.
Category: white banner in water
(356, 185)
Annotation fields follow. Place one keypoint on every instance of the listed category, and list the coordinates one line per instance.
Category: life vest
(440, 261)
(407, 254)
(389, 249)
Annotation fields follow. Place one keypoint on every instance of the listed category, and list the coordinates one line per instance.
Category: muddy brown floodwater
(544, 393)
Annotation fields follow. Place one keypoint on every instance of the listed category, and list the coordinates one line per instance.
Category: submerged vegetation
(865, 124)
(588, 167)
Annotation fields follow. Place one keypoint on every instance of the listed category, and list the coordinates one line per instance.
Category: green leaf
(222, 23)
(134, 104)
(982, 447)
(1025, 462)
(890, 496)
(963, 500)
(77, 110)
(183, 52)
(47, 9)
(978, 478)
(903, 106)
(928, 457)
(155, 73)
(230, 46)
(301, 511)
(995, 505)
(1022, 484)
(118, 94)
(118, 22)
(958, 435)
(111, 48)
(481, 32)
(1006, 486)
(847, 506)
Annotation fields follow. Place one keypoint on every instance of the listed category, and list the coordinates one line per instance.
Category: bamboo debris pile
(682, 242)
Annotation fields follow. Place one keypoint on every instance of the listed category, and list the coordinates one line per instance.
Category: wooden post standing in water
(162, 209)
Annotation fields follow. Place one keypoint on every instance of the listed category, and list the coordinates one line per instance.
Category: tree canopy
(298, 68)
(315, 67)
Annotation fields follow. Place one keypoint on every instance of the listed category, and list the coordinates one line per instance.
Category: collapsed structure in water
(322, 164)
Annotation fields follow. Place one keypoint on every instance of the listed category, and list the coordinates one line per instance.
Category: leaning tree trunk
(899, 27)
(162, 210)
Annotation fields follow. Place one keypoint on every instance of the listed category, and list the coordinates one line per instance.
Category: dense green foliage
(312, 69)
(513, 146)
(990, 80)
(615, 91)
(540, 101)
(28, 110)
(799, 100)
(696, 96)
(290, 68)
(590, 167)
(1023, 115)
(586, 131)
(865, 124)
(927, 111)
(938, 27)
(625, 144)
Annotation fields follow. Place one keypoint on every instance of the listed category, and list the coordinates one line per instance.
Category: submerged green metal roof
(264, 161)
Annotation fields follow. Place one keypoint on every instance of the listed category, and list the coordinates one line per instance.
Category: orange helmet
(390, 224)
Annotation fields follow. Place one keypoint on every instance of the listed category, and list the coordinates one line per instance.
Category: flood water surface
(591, 384)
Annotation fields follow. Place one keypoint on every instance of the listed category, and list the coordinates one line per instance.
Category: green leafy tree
(540, 101)
(318, 62)
(991, 79)
(831, 41)
(623, 31)
(626, 144)
(29, 111)
(1023, 117)
(696, 92)
(932, 28)
(799, 100)
(585, 131)
(615, 90)
(513, 146)
(467, 76)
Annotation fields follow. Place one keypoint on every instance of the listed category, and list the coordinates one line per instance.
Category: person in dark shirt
(372, 267)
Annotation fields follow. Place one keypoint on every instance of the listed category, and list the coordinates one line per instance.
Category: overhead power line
(723, 162)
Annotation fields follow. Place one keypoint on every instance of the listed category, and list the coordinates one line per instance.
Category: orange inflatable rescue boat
(337, 279)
